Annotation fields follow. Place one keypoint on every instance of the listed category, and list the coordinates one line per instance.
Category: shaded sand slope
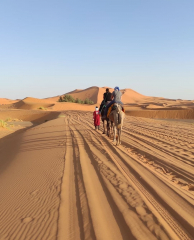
(64, 180)
(30, 180)
(14, 125)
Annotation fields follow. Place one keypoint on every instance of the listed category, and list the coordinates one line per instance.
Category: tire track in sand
(180, 233)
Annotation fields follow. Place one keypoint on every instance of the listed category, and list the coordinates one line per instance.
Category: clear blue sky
(51, 47)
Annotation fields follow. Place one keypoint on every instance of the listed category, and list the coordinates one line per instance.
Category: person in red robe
(96, 118)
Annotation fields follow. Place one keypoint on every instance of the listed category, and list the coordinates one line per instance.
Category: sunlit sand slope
(64, 180)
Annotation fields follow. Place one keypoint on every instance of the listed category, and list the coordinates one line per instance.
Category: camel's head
(117, 107)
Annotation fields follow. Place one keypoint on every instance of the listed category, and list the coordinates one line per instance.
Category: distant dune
(6, 101)
(46, 104)
(96, 94)
(131, 96)
(135, 103)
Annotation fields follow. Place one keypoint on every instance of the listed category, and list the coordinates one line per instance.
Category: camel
(108, 125)
(117, 117)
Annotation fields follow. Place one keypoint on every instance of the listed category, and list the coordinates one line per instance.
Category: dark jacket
(107, 96)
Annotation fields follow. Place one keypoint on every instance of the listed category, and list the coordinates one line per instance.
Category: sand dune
(130, 96)
(24, 104)
(96, 94)
(35, 104)
(6, 101)
(64, 180)
(132, 101)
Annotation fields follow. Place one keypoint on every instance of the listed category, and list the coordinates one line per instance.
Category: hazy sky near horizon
(49, 47)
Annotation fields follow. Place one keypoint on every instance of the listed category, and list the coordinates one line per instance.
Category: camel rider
(107, 97)
(116, 96)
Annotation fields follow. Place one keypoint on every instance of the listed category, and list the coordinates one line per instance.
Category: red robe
(96, 117)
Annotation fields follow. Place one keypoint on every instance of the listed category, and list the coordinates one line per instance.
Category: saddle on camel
(114, 107)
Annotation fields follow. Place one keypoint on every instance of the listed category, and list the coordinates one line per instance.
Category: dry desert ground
(61, 179)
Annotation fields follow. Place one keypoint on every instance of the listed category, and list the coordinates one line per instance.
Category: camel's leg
(107, 127)
(118, 133)
(120, 127)
(111, 128)
(119, 136)
(103, 127)
(115, 129)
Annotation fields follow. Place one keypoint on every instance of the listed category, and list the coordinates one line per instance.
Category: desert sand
(61, 179)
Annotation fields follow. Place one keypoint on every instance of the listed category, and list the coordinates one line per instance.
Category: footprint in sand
(27, 219)
(189, 187)
(34, 193)
(144, 160)
(150, 162)
(141, 210)
(17, 209)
